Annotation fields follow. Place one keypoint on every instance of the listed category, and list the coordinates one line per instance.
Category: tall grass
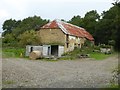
(13, 52)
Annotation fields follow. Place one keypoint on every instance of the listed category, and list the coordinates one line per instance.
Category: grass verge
(100, 56)
(13, 52)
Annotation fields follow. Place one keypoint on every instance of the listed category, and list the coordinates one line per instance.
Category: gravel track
(80, 73)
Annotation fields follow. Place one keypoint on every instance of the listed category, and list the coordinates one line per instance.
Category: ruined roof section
(51, 25)
(68, 28)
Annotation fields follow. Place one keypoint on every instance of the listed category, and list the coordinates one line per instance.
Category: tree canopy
(18, 27)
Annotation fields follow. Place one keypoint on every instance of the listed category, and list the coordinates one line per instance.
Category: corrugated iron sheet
(70, 29)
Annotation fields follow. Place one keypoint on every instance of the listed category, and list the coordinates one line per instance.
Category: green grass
(13, 52)
(99, 56)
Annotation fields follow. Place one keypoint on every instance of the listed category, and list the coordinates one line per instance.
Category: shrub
(29, 38)
(105, 46)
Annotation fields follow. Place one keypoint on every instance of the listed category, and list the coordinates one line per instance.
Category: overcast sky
(49, 9)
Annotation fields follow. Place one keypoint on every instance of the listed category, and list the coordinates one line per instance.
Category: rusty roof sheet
(68, 28)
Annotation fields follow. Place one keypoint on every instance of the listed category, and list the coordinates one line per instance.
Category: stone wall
(73, 42)
(52, 36)
(57, 37)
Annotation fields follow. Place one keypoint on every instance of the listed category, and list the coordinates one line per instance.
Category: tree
(90, 21)
(104, 31)
(117, 25)
(15, 29)
(77, 20)
(30, 37)
(29, 23)
(9, 40)
(92, 15)
(9, 25)
(20, 26)
(108, 27)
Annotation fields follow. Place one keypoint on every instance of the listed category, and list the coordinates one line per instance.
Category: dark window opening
(78, 45)
(31, 49)
(48, 50)
(67, 37)
(75, 45)
(67, 45)
(54, 50)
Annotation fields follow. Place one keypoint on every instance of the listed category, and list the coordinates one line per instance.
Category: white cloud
(3, 14)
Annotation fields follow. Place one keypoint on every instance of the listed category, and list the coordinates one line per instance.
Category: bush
(9, 40)
(29, 38)
(105, 46)
(96, 48)
(88, 43)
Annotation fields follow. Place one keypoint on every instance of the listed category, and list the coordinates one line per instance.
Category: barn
(58, 37)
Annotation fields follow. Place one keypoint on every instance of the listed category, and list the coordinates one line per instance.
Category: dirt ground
(80, 73)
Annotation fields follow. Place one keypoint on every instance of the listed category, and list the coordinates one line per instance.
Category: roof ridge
(61, 26)
(73, 25)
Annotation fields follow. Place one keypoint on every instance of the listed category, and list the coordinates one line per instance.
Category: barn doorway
(48, 51)
(31, 49)
(54, 50)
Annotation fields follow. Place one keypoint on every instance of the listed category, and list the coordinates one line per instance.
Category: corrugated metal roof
(52, 24)
(68, 28)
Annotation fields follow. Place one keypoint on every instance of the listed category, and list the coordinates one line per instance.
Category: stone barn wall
(52, 36)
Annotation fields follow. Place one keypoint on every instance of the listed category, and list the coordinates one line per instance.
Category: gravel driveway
(81, 73)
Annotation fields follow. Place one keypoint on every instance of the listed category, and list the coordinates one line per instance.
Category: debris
(105, 50)
(96, 50)
(84, 56)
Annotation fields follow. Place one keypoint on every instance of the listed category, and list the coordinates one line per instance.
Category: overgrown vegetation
(22, 32)
(13, 52)
(29, 38)
(114, 83)
(97, 55)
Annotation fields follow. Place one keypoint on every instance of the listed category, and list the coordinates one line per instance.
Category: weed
(114, 86)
